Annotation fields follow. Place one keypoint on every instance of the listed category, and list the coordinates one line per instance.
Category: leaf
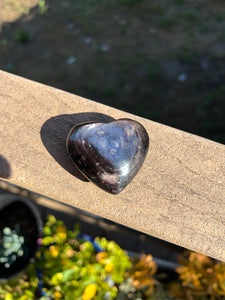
(57, 278)
(68, 274)
(47, 240)
(29, 294)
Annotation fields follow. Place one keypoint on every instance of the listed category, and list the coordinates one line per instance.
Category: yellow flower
(9, 296)
(54, 251)
(57, 295)
(89, 292)
(61, 232)
(109, 267)
(101, 256)
(57, 278)
(61, 229)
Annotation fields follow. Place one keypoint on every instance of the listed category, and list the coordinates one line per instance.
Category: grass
(220, 18)
(42, 7)
(180, 1)
(160, 10)
(3, 42)
(222, 37)
(212, 110)
(152, 71)
(191, 16)
(216, 95)
(185, 55)
(109, 92)
(166, 23)
(130, 1)
(203, 28)
(21, 36)
(134, 73)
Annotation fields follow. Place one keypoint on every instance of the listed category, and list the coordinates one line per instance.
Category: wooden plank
(178, 195)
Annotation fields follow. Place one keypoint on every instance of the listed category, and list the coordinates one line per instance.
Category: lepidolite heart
(109, 154)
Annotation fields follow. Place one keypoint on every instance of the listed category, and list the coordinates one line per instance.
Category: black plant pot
(18, 213)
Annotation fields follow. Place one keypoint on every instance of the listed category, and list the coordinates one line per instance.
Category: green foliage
(42, 7)
(216, 94)
(21, 36)
(131, 1)
(167, 23)
(220, 17)
(109, 92)
(212, 108)
(114, 259)
(70, 267)
(152, 71)
(160, 10)
(180, 1)
(203, 28)
(3, 42)
(191, 16)
(186, 55)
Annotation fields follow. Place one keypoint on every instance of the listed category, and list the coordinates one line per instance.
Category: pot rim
(6, 199)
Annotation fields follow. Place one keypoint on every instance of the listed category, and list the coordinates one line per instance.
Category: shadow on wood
(54, 133)
(5, 168)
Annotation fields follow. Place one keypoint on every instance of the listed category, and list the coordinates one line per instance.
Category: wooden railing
(178, 195)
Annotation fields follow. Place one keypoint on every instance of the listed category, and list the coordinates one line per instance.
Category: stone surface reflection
(109, 154)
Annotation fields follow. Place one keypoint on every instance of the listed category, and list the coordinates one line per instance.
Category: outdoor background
(161, 59)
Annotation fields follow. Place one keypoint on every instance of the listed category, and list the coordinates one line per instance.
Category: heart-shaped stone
(109, 154)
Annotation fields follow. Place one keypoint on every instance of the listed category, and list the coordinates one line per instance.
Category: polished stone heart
(109, 154)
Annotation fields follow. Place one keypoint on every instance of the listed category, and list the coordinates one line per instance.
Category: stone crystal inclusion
(109, 154)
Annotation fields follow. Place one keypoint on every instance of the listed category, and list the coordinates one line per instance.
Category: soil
(160, 59)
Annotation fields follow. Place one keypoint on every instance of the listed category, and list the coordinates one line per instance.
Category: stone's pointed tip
(109, 154)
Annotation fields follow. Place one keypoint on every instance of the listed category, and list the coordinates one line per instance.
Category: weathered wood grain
(178, 195)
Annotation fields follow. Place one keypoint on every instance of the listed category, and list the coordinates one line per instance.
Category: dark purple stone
(109, 154)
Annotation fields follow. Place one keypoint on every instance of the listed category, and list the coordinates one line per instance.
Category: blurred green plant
(180, 1)
(131, 1)
(21, 36)
(42, 7)
(191, 16)
(167, 23)
(3, 42)
(185, 55)
(152, 71)
(70, 266)
(160, 10)
(67, 266)
(200, 277)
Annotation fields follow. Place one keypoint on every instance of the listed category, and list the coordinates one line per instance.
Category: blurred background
(161, 59)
